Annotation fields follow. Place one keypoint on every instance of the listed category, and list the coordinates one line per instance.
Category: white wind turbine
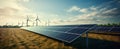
(37, 20)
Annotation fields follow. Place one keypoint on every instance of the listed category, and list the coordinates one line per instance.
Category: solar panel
(99, 29)
(64, 33)
(115, 29)
(54, 34)
(77, 31)
(81, 29)
(106, 29)
(85, 25)
(65, 26)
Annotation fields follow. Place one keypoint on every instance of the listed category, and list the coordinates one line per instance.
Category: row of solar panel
(69, 33)
(106, 29)
(72, 30)
(79, 30)
(63, 33)
(86, 26)
(54, 34)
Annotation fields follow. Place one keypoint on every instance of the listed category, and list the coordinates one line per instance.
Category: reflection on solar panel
(78, 30)
(66, 33)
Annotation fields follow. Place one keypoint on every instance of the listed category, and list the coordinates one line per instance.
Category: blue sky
(59, 6)
(63, 11)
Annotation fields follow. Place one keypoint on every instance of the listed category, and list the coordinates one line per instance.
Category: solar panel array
(106, 29)
(115, 29)
(66, 33)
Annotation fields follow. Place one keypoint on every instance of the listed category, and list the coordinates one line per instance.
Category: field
(16, 38)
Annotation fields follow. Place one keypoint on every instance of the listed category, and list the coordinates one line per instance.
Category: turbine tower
(18, 24)
(33, 23)
(27, 21)
(47, 23)
(22, 24)
(12, 24)
(37, 20)
(6, 24)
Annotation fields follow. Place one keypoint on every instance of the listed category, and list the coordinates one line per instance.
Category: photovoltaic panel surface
(106, 29)
(54, 34)
(78, 30)
(64, 33)
(115, 29)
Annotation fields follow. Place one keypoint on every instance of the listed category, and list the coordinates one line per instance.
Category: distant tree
(119, 24)
(110, 24)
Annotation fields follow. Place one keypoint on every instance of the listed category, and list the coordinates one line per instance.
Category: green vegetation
(9, 26)
(110, 24)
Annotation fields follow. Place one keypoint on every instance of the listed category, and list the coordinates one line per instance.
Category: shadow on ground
(80, 43)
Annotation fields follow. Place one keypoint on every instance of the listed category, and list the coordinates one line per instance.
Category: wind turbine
(22, 24)
(47, 23)
(6, 24)
(33, 23)
(37, 19)
(27, 21)
(12, 24)
(18, 24)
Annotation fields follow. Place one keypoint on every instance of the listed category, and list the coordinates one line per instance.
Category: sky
(59, 12)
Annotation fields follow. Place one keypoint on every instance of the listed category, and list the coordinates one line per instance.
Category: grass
(105, 36)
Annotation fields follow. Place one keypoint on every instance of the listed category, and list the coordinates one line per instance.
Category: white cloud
(12, 4)
(94, 16)
(83, 10)
(7, 11)
(24, 0)
(85, 18)
(100, 14)
(12, 11)
(110, 11)
(93, 8)
(118, 1)
(54, 15)
(73, 8)
(76, 8)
